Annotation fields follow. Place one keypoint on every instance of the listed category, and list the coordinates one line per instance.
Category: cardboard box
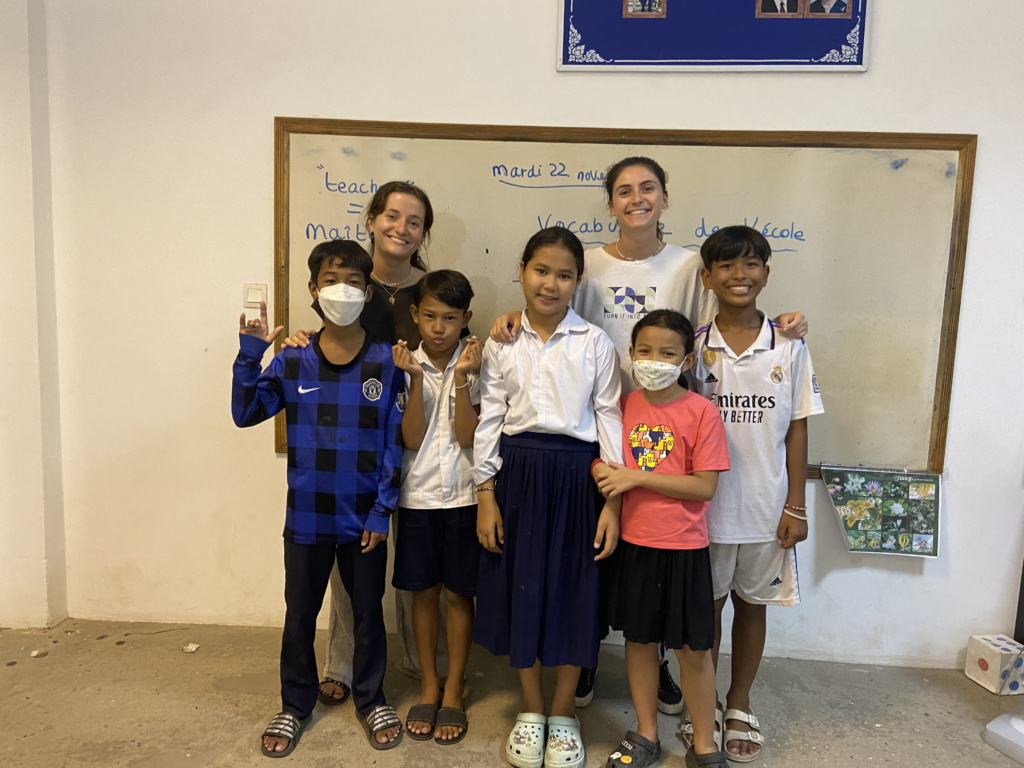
(996, 662)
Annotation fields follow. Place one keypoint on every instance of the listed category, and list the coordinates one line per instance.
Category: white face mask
(341, 304)
(655, 375)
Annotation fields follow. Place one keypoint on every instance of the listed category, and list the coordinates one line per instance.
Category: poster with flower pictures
(885, 512)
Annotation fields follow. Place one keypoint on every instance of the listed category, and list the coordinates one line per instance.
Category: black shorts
(436, 546)
(662, 596)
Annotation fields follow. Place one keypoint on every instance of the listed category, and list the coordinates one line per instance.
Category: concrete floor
(124, 694)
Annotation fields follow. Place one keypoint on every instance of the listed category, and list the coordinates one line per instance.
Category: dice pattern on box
(996, 663)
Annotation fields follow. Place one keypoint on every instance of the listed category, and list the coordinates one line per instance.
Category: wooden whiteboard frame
(964, 144)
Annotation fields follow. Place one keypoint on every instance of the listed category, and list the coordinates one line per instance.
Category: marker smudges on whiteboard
(950, 169)
(348, 152)
(897, 164)
(398, 156)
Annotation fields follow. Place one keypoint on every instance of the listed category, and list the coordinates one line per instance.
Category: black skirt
(662, 596)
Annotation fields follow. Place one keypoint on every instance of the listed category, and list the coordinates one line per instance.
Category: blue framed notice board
(683, 35)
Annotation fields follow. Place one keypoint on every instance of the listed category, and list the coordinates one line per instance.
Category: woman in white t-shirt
(639, 272)
(625, 280)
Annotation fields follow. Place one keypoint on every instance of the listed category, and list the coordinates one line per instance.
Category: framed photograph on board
(830, 9)
(778, 9)
(679, 36)
(643, 9)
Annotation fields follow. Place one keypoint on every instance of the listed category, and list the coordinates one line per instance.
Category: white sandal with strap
(565, 744)
(525, 747)
(686, 727)
(753, 736)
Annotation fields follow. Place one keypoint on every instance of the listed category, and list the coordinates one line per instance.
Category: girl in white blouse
(549, 407)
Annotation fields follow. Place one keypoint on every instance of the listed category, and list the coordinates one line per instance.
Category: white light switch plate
(253, 294)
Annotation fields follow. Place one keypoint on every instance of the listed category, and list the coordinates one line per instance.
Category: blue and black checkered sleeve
(390, 480)
(255, 395)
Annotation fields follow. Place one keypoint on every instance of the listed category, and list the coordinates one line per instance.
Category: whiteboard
(867, 231)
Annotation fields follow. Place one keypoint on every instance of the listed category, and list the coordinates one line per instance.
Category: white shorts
(761, 573)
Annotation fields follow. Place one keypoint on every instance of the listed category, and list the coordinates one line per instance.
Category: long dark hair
(556, 236)
(379, 203)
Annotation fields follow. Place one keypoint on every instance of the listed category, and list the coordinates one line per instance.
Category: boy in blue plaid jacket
(342, 398)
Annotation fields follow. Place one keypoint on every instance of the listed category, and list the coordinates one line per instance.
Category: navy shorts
(437, 546)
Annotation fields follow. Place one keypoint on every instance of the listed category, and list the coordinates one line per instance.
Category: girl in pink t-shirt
(660, 577)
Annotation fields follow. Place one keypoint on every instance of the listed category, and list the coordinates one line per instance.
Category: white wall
(32, 566)
(161, 121)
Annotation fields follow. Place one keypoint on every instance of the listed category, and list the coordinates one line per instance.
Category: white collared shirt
(568, 385)
(758, 392)
(439, 475)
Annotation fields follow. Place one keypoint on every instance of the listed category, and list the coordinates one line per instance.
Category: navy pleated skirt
(538, 599)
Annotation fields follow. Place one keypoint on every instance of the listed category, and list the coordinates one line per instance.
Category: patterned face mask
(655, 375)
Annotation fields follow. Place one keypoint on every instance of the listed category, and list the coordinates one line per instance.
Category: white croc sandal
(525, 747)
(565, 744)
(754, 735)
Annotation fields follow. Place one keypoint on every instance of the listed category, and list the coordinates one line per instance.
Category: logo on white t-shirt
(710, 379)
(627, 302)
(777, 376)
(709, 357)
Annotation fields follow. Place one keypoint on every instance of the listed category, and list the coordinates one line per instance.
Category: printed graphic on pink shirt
(650, 445)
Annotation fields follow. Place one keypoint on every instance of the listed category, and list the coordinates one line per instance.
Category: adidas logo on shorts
(711, 379)
(776, 583)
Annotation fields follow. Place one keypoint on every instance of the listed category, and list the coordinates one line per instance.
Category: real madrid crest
(708, 357)
(776, 376)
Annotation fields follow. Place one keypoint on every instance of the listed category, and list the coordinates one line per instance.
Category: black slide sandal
(285, 725)
(451, 716)
(380, 719)
(421, 713)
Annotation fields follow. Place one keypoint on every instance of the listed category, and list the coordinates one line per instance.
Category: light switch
(253, 294)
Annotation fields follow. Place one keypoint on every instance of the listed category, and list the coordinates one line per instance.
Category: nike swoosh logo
(304, 391)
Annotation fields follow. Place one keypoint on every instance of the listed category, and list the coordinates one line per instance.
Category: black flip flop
(331, 701)
(717, 759)
(285, 725)
(451, 717)
(421, 713)
(635, 751)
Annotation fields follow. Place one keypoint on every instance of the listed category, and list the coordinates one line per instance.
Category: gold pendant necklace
(397, 286)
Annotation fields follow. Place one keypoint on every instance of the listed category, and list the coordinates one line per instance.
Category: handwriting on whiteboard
(545, 175)
(771, 230)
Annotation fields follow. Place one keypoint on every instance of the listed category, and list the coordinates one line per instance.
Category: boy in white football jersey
(764, 387)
